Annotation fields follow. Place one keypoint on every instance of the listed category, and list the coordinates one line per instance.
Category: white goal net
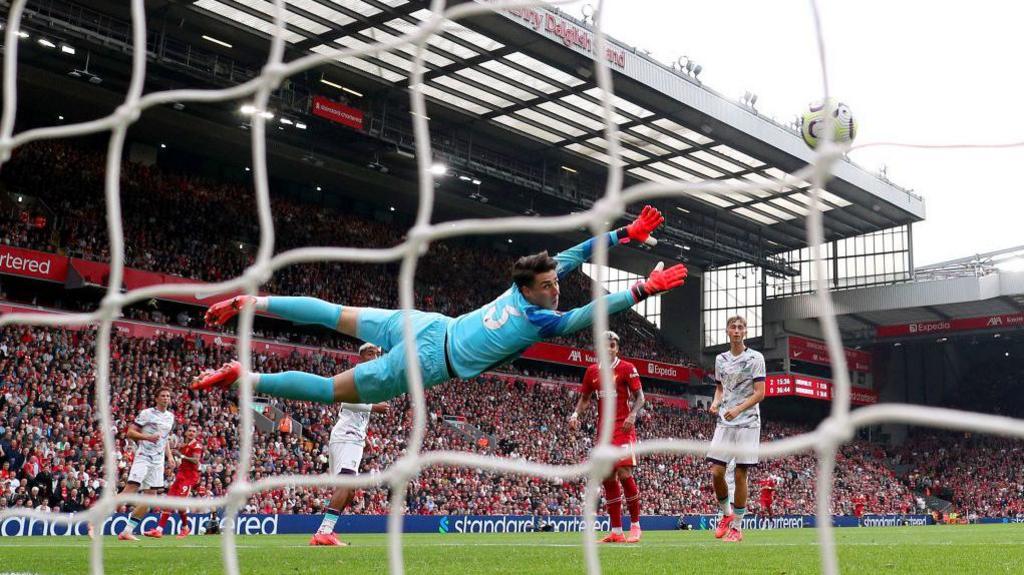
(838, 428)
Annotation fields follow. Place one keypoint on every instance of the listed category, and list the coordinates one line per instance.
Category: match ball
(814, 123)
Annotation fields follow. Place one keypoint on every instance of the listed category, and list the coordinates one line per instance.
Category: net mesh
(836, 429)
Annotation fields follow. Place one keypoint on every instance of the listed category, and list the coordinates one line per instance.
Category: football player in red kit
(185, 479)
(629, 400)
(858, 509)
(767, 496)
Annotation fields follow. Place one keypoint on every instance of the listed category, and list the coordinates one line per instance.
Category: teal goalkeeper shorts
(387, 376)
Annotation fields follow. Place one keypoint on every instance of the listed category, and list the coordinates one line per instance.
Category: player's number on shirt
(506, 313)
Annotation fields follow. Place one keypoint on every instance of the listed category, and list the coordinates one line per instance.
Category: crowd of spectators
(51, 454)
(207, 230)
(52, 450)
(979, 474)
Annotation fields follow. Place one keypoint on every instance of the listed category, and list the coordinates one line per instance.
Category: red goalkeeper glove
(661, 280)
(640, 230)
(222, 311)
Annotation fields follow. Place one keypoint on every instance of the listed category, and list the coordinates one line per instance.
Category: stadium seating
(51, 441)
(205, 230)
(981, 475)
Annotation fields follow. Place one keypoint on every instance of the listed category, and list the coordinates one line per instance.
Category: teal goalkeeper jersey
(504, 328)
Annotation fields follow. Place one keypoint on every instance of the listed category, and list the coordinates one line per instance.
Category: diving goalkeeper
(448, 348)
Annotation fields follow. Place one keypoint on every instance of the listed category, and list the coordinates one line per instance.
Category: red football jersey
(627, 380)
(188, 471)
(767, 489)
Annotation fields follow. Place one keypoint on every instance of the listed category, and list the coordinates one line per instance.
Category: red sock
(632, 493)
(184, 518)
(163, 519)
(613, 494)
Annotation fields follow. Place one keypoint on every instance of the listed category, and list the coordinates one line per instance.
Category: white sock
(617, 530)
(723, 504)
(132, 524)
(262, 303)
(740, 512)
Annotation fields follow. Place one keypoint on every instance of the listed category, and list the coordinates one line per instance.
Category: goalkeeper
(448, 348)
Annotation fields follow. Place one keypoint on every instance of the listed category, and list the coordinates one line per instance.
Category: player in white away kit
(150, 430)
(739, 374)
(348, 437)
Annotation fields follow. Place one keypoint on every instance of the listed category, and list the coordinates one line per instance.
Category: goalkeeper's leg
(300, 310)
(368, 382)
(381, 327)
(297, 385)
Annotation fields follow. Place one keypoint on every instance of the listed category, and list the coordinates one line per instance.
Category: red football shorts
(620, 438)
(180, 488)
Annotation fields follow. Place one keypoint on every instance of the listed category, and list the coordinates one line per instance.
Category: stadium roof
(527, 70)
(521, 80)
(1010, 259)
(979, 287)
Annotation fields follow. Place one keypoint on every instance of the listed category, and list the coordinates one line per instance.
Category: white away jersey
(353, 419)
(156, 422)
(737, 375)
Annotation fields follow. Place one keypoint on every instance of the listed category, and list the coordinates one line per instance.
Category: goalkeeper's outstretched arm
(553, 323)
(640, 230)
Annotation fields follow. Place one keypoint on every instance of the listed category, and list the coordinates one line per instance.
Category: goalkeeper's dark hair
(526, 268)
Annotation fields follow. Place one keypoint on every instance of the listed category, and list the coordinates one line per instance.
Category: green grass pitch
(987, 549)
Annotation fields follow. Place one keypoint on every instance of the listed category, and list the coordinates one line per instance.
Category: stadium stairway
(936, 503)
(899, 469)
(262, 422)
(268, 418)
(474, 435)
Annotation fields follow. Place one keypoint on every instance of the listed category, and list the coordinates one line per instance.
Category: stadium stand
(194, 227)
(51, 449)
(175, 224)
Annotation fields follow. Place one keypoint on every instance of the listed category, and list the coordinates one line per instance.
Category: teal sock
(305, 310)
(297, 385)
(132, 524)
(330, 518)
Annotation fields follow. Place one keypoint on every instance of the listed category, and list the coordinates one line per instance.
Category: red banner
(33, 264)
(134, 279)
(337, 112)
(92, 273)
(1013, 320)
(9, 308)
(815, 351)
(98, 274)
(148, 330)
(582, 358)
(795, 385)
(555, 384)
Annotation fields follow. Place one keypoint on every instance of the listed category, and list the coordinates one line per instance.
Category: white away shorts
(734, 437)
(148, 474)
(345, 456)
